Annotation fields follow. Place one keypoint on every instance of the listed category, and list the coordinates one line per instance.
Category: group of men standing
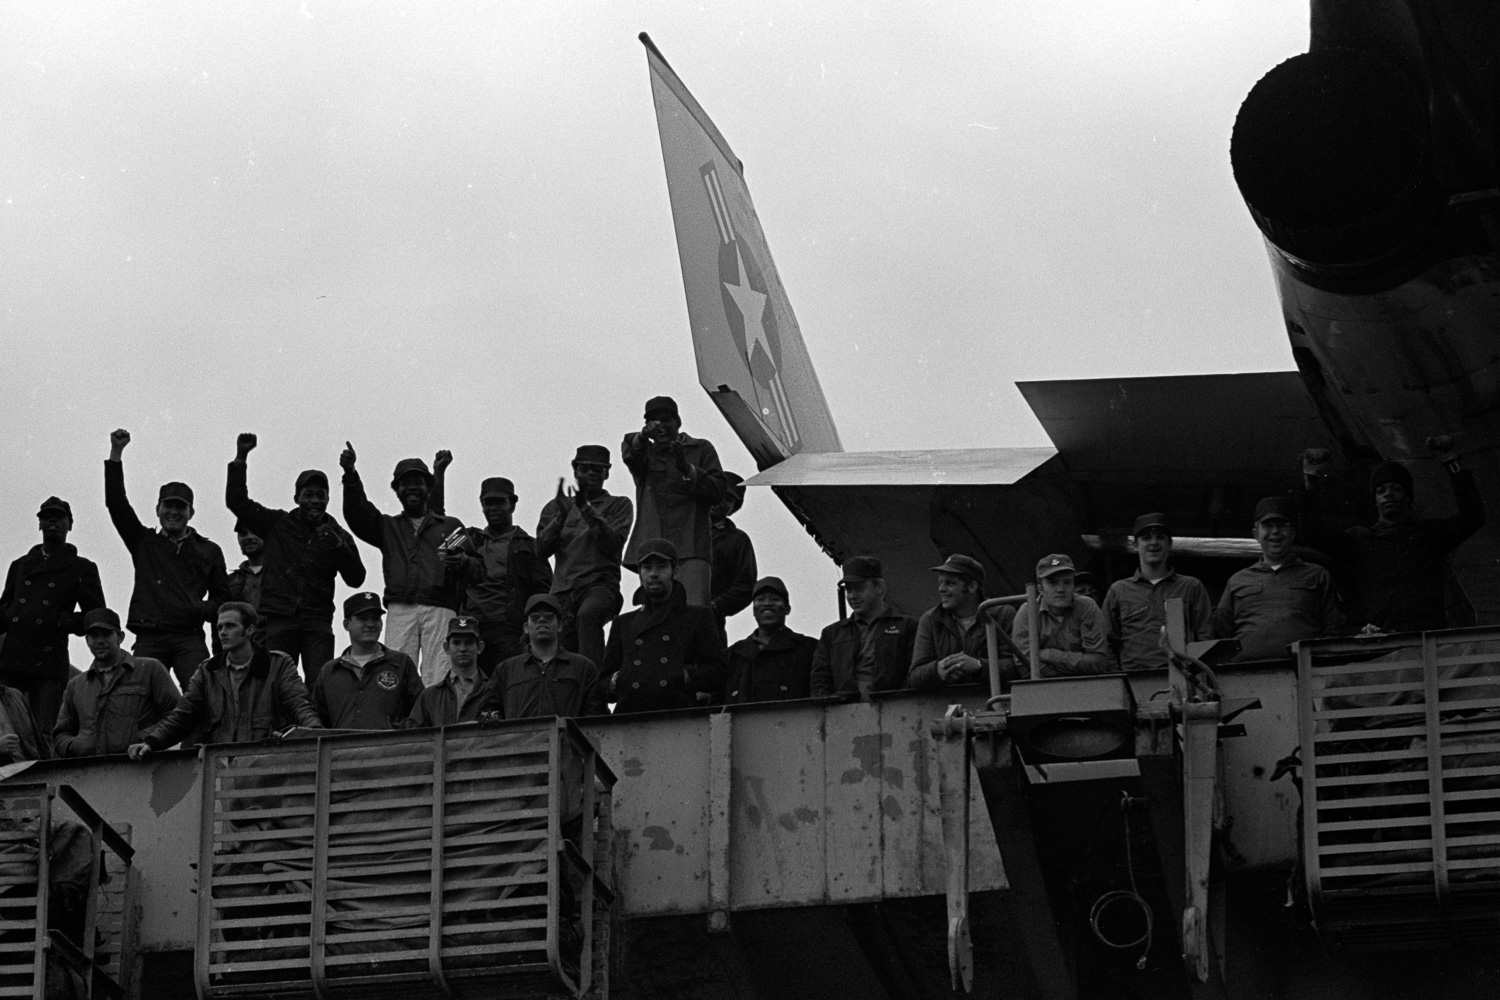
(488, 620)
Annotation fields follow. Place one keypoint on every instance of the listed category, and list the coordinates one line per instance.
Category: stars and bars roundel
(750, 314)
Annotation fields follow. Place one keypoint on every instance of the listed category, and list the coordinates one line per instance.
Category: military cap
(595, 453)
(1152, 520)
(463, 625)
(497, 486)
(659, 548)
(1275, 507)
(53, 503)
(657, 405)
(101, 618)
(365, 600)
(176, 491)
(772, 583)
(962, 565)
(861, 568)
(311, 476)
(407, 465)
(544, 601)
(1057, 562)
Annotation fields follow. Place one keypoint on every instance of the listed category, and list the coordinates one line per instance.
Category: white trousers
(418, 630)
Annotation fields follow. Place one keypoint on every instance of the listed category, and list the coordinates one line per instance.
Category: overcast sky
(426, 225)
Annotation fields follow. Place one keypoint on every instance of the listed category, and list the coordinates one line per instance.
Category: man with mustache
(305, 550)
(180, 578)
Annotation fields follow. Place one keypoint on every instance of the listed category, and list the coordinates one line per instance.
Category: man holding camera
(678, 480)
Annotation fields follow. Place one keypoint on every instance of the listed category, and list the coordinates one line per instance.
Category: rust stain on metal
(660, 837)
(867, 750)
(757, 806)
(892, 808)
(895, 777)
(921, 775)
(633, 767)
(168, 786)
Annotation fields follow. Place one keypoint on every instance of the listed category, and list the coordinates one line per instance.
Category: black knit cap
(1391, 472)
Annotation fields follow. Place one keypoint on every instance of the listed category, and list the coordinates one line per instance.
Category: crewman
(773, 663)
(734, 555)
(951, 645)
(242, 694)
(1400, 561)
(497, 569)
(1087, 584)
(546, 680)
(586, 530)
(1280, 600)
(37, 612)
(111, 704)
(1071, 639)
(20, 739)
(667, 653)
(244, 582)
(455, 698)
(1135, 609)
(871, 650)
(180, 578)
(370, 686)
(419, 596)
(305, 550)
(678, 480)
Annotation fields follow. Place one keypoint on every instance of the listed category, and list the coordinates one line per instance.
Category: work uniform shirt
(15, 717)
(1400, 567)
(940, 634)
(1135, 610)
(670, 505)
(179, 583)
(1076, 632)
(1268, 608)
(528, 687)
(588, 551)
(448, 702)
(301, 557)
(501, 573)
(104, 711)
(377, 695)
(770, 668)
(409, 558)
(244, 584)
(651, 648)
(228, 704)
(37, 609)
(856, 657)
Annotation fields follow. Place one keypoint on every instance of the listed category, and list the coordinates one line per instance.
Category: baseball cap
(736, 491)
(101, 618)
(962, 565)
(1153, 520)
(311, 476)
(658, 547)
(1057, 562)
(1275, 507)
(463, 625)
(857, 569)
(411, 465)
(53, 503)
(544, 601)
(661, 404)
(176, 491)
(497, 486)
(596, 453)
(770, 583)
(365, 600)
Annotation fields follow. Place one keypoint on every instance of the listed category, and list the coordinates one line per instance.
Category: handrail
(993, 635)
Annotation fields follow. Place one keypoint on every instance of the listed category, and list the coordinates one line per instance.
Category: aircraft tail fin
(751, 357)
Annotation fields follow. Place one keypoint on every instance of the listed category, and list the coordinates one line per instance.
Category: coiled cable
(1131, 895)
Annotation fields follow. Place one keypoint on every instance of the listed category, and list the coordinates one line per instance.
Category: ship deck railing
(1400, 747)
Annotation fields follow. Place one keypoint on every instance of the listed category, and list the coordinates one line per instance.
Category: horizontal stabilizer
(950, 467)
(1210, 429)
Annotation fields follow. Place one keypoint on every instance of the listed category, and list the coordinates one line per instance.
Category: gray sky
(427, 225)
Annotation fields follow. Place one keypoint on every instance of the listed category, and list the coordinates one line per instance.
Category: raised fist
(1316, 462)
(119, 439)
(244, 445)
(1441, 445)
(442, 460)
(346, 457)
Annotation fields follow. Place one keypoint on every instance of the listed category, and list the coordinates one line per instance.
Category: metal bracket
(953, 792)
